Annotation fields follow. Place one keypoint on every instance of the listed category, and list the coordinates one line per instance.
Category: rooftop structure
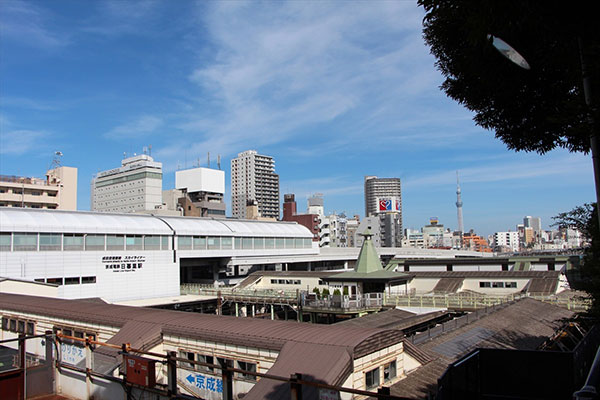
(202, 192)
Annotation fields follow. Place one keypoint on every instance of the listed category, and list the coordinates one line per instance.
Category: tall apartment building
(253, 177)
(381, 189)
(58, 191)
(135, 186)
(383, 198)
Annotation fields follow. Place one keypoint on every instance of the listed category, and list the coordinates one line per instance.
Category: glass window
(151, 242)
(115, 242)
(299, 243)
(94, 242)
(21, 327)
(247, 243)
(73, 241)
(133, 242)
(279, 243)
(259, 243)
(389, 371)
(30, 328)
(510, 284)
(208, 360)
(184, 242)
(88, 279)
(5, 241)
(188, 355)
(497, 284)
(269, 243)
(226, 242)
(13, 325)
(25, 241)
(199, 243)
(72, 281)
(372, 378)
(289, 243)
(307, 243)
(4, 324)
(165, 242)
(50, 241)
(246, 366)
(214, 243)
(238, 243)
(56, 281)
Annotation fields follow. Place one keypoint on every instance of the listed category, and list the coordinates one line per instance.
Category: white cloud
(18, 142)
(552, 165)
(284, 69)
(27, 23)
(141, 127)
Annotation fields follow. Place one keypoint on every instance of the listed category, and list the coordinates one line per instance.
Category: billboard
(388, 205)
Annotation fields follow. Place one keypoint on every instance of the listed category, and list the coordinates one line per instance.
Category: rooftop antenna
(150, 150)
(56, 160)
(208, 159)
(145, 150)
(124, 154)
(219, 161)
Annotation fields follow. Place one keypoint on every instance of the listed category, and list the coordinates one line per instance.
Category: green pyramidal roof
(368, 260)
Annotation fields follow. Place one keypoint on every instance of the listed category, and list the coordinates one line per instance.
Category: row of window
(286, 281)
(372, 377)
(18, 325)
(497, 284)
(129, 178)
(74, 280)
(243, 365)
(95, 242)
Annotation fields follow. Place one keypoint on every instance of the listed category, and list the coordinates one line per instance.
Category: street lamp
(509, 52)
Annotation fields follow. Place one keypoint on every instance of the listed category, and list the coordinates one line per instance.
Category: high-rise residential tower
(135, 186)
(383, 199)
(459, 205)
(253, 177)
(382, 189)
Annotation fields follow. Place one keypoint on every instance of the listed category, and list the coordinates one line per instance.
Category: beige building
(57, 191)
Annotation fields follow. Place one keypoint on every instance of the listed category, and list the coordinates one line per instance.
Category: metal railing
(346, 302)
(464, 302)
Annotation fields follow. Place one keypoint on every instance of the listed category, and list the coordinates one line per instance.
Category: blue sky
(332, 90)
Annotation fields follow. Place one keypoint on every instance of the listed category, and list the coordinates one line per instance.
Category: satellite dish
(507, 51)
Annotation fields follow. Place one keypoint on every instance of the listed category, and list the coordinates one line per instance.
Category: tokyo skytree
(459, 205)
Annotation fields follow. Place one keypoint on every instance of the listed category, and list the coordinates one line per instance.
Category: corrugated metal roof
(485, 274)
(301, 346)
(36, 220)
(448, 285)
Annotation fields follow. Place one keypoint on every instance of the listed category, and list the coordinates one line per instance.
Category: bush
(345, 291)
(317, 293)
(337, 292)
(325, 292)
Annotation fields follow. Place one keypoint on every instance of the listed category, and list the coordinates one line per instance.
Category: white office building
(253, 177)
(135, 186)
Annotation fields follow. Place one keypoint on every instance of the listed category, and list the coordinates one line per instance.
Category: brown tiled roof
(321, 346)
(448, 285)
(523, 325)
(391, 319)
(541, 286)
(485, 274)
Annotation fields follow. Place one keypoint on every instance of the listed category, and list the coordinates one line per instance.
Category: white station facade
(133, 256)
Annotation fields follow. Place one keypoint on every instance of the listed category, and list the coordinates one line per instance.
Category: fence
(465, 302)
